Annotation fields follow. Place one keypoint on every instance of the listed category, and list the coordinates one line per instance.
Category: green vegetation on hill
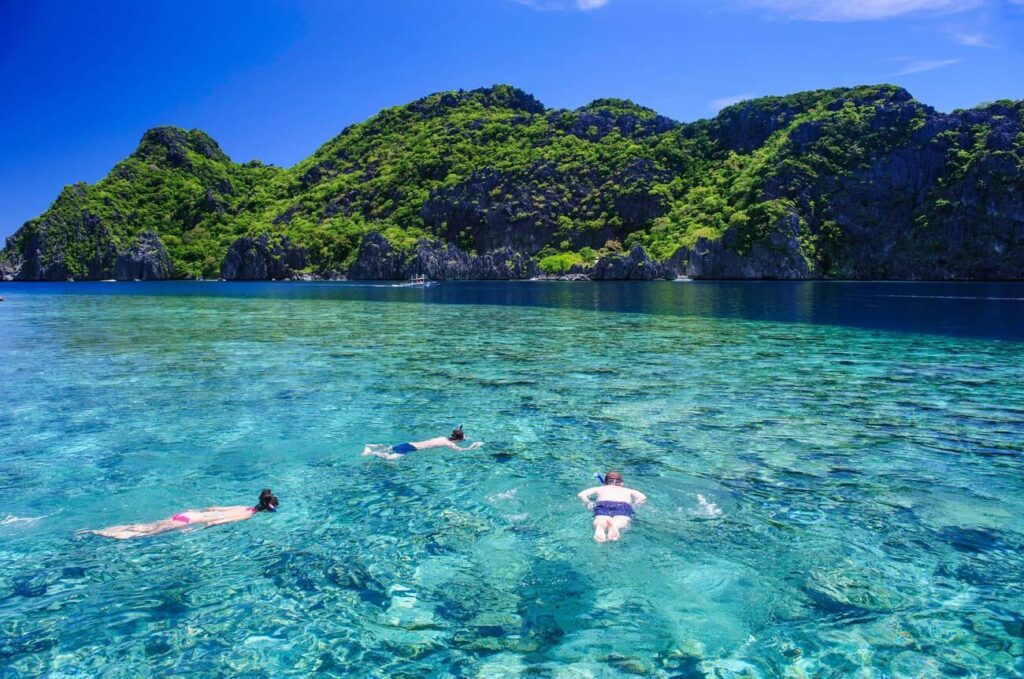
(492, 168)
(178, 184)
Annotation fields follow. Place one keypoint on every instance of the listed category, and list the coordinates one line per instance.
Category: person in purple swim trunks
(613, 509)
(396, 451)
(208, 516)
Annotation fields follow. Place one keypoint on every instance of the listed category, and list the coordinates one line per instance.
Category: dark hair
(611, 477)
(268, 501)
(457, 434)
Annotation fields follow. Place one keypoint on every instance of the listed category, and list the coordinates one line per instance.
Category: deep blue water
(834, 472)
(985, 310)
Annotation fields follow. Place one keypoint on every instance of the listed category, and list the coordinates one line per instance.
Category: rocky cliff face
(378, 260)
(778, 257)
(495, 210)
(262, 258)
(866, 184)
(10, 263)
(48, 253)
(948, 205)
(43, 256)
(635, 266)
(147, 260)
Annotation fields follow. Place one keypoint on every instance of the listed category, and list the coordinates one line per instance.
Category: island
(848, 183)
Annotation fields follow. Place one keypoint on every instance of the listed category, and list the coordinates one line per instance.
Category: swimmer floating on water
(613, 511)
(210, 516)
(397, 451)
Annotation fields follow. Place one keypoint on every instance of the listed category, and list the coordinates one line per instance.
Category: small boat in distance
(417, 282)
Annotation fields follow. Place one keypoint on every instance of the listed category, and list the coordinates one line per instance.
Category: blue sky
(81, 82)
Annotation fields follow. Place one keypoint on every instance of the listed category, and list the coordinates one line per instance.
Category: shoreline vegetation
(858, 183)
(544, 278)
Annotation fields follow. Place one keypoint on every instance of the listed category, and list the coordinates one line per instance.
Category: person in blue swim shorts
(613, 508)
(396, 451)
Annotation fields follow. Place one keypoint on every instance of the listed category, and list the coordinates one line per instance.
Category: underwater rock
(310, 572)
(914, 664)
(407, 612)
(852, 590)
(729, 668)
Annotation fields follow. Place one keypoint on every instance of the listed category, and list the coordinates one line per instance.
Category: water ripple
(825, 500)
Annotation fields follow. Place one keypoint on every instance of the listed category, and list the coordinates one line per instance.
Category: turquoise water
(858, 448)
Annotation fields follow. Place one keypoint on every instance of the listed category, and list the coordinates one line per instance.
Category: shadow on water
(980, 310)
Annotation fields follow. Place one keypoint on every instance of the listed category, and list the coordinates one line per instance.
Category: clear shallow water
(863, 443)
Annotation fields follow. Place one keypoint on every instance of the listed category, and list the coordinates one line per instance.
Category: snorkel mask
(268, 501)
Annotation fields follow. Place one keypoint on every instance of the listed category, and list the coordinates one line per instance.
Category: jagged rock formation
(778, 257)
(10, 262)
(92, 256)
(635, 266)
(147, 260)
(378, 260)
(859, 182)
(261, 259)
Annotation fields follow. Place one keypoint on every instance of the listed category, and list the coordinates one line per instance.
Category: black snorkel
(457, 434)
(268, 501)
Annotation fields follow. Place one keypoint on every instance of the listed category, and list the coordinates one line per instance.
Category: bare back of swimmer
(208, 516)
(401, 449)
(613, 508)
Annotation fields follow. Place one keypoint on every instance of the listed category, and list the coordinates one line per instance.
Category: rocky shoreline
(266, 258)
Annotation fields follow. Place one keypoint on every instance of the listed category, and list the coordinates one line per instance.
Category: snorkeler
(613, 511)
(209, 516)
(397, 451)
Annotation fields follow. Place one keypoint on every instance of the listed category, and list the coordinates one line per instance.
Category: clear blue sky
(81, 82)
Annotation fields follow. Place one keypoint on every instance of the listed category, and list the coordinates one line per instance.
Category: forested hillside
(861, 182)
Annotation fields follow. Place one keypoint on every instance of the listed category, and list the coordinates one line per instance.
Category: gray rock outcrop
(262, 258)
(147, 260)
(778, 257)
(379, 260)
(634, 266)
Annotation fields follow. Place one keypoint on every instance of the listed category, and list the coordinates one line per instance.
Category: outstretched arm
(584, 496)
(472, 446)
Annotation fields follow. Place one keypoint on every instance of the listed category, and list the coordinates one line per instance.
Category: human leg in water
(602, 525)
(138, 530)
(381, 450)
(617, 524)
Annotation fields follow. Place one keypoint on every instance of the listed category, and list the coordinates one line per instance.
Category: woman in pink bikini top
(208, 516)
